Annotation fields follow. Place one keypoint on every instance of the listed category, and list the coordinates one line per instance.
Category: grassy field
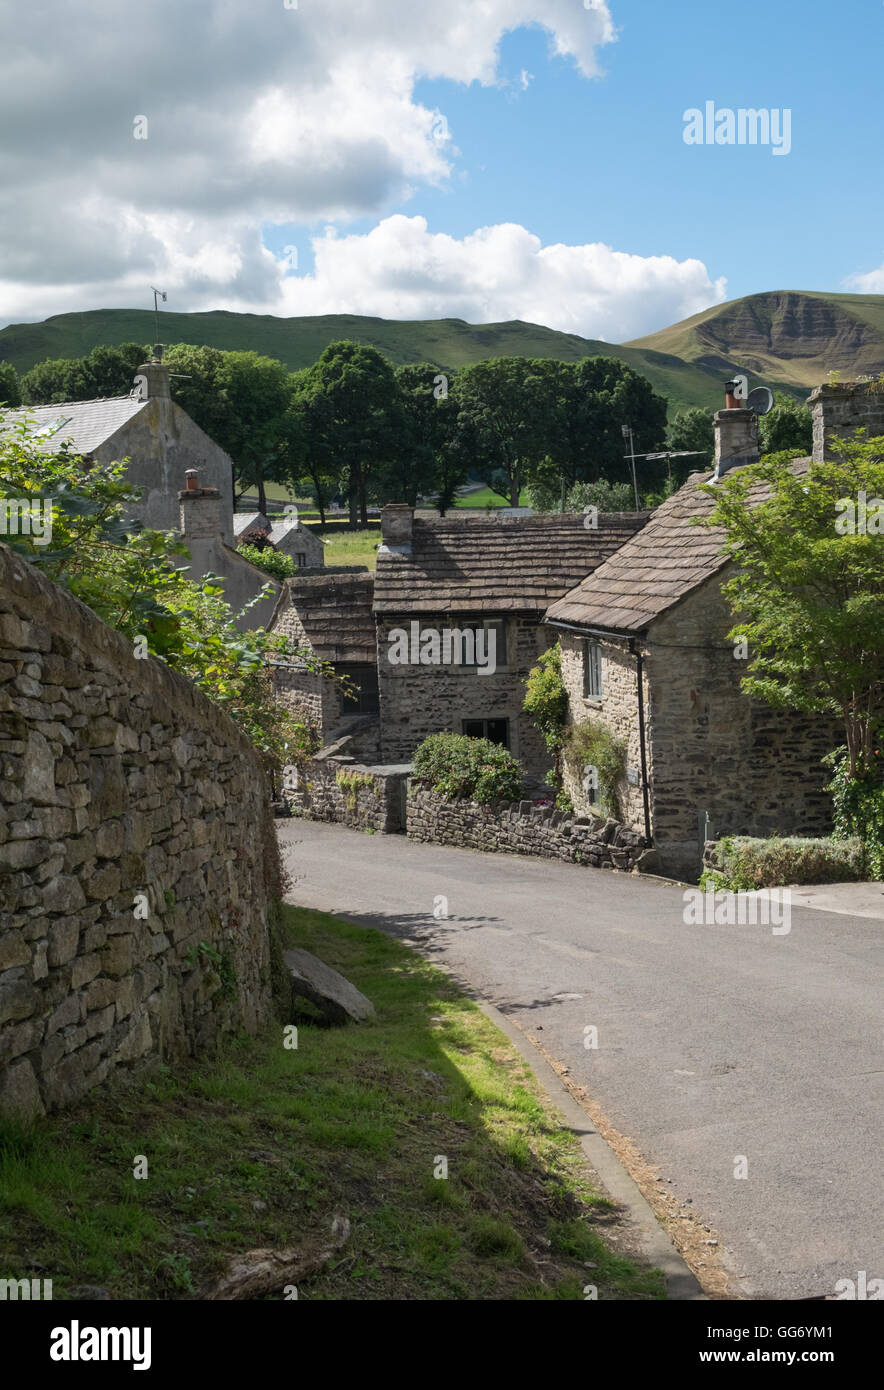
(351, 547)
(262, 1146)
(486, 498)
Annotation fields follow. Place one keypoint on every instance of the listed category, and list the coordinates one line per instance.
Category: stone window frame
(461, 622)
(301, 559)
(593, 671)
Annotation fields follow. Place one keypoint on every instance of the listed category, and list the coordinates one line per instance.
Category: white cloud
(257, 114)
(402, 270)
(869, 282)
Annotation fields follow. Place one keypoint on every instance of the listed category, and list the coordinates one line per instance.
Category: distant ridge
(790, 340)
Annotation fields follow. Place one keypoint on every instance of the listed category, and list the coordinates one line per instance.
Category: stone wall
(355, 794)
(840, 410)
(134, 825)
(523, 828)
(420, 700)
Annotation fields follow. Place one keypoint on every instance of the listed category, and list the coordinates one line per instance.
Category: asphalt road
(714, 1042)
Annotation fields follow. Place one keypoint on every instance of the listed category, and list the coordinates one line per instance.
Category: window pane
(498, 731)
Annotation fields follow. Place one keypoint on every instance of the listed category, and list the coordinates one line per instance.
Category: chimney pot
(191, 481)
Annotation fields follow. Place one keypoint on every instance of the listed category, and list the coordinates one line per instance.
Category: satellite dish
(760, 400)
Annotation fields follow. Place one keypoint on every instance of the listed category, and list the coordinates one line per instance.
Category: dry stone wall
(521, 827)
(355, 794)
(134, 826)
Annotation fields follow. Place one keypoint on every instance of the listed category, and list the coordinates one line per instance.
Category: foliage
(266, 558)
(107, 371)
(858, 803)
(351, 784)
(10, 387)
(473, 768)
(744, 864)
(692, 429)
(546, 701)
(591, 744)
(604, 496)
(789, 425)
(424, 465)
(809, 598)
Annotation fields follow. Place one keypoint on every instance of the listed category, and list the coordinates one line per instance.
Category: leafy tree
(809, 595)
(418, 467)
(506, 414)
(789, 425)
(692, 429)
(10, 388)
(106, 371)
(604, 496)
(353, 418)
(546, 701)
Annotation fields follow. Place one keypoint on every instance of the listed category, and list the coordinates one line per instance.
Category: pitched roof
(495, 565)
(250, 521)
(335, 612)
(84, 425)
(656, 568)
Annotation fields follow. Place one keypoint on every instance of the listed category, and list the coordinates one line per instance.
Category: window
(301, 558)
(495, 730)
(592, 670)
(364, 699)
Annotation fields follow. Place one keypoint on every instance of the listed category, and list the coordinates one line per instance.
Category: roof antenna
(161, 294)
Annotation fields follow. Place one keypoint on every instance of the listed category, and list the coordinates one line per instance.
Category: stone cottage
(286, 534)
(645, 652)
(330, 615)
(482, 587)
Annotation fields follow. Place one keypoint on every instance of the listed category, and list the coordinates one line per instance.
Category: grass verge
(261, 1145)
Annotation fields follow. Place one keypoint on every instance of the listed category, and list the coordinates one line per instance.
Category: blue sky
(277, 126)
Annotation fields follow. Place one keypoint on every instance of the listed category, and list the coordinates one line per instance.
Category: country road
(714, 1043)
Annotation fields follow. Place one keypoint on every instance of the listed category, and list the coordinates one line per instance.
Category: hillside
(449, 343)
(786, 335)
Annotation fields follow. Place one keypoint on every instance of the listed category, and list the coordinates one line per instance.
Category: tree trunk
(262, 496)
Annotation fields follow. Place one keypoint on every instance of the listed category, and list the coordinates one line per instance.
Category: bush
(591, 744)
(743, 864)
(546, 699)
(472, 768)
(269, 560)
(859, 808)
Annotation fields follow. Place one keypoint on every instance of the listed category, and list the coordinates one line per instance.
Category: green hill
(783, 336)
(785, 339)
(449, 343)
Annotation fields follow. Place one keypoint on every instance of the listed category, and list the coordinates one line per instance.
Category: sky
(478, 159)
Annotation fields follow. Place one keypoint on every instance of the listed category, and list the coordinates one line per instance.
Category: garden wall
(523, 828)
(134, 825)
(355, 794)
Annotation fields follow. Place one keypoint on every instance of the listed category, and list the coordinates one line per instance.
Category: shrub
(546, 699)
(743, 864)
(271, 561)
(859, 808)
(591, 744)
(468, 767)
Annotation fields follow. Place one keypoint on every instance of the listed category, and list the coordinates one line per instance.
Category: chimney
(156, 375)
(201, 510)
(839, 410)
(397, 521)
(736, 434)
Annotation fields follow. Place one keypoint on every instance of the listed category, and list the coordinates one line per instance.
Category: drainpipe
(639, 671)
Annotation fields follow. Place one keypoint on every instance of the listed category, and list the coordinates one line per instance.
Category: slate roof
(249, 521)
(83, 424)
(656, 568)
(496, 565)
(335, 611)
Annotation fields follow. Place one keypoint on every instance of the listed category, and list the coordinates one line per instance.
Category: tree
(302, 454)
(106, 371)
(356, 424)
(789, 425)
(10, 389)
(420, 462)
(505, 411)
(809, 596)
(692, 429)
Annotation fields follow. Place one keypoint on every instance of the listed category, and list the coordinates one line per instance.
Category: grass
(344, 547)
(486, 498)
(263, 1144)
